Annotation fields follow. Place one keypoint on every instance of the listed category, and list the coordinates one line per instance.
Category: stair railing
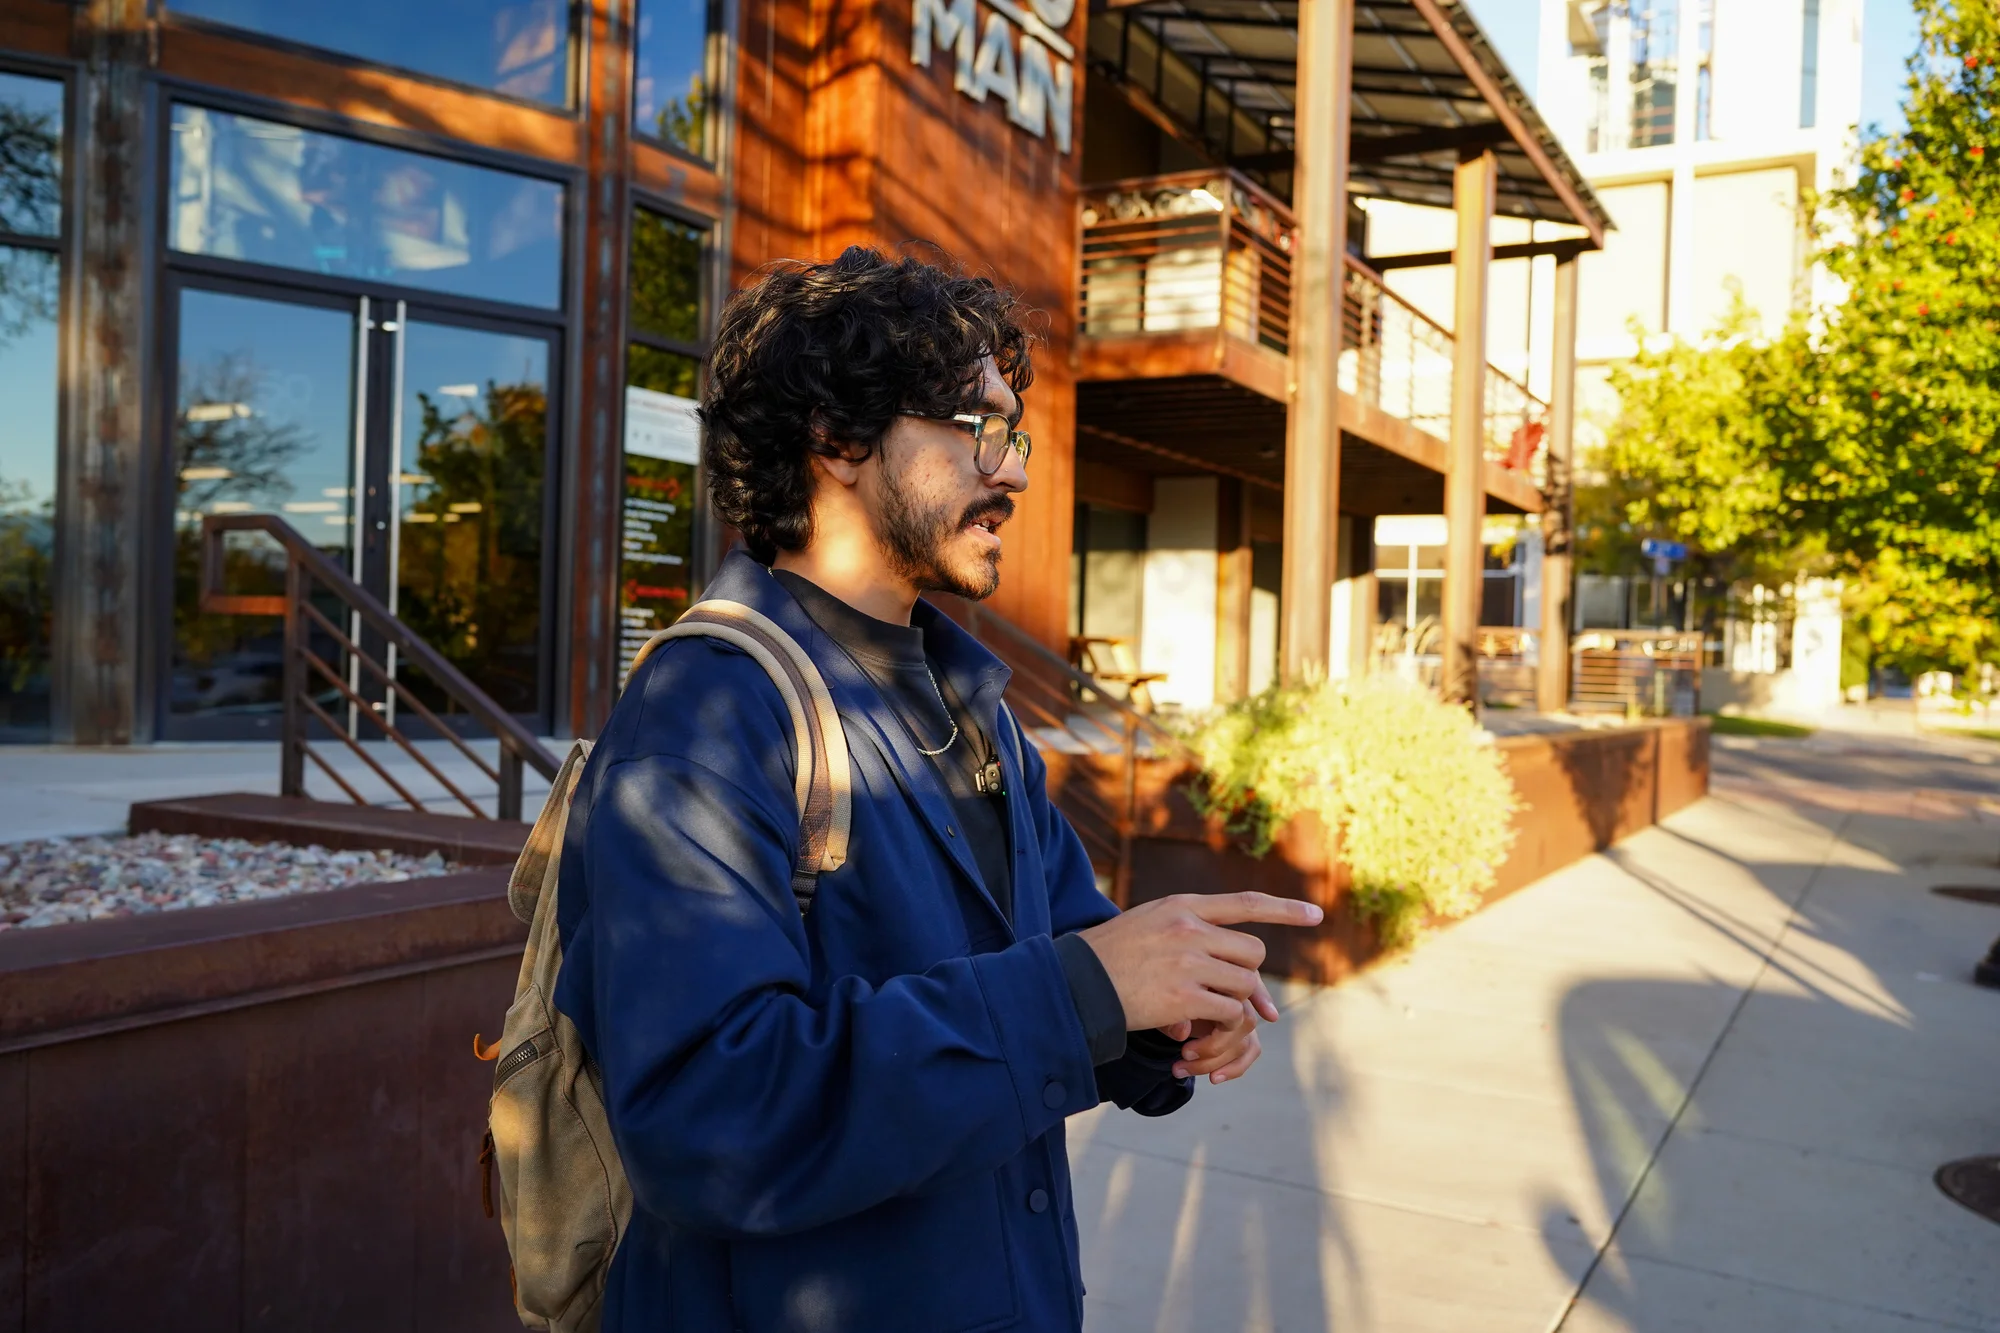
(1047, 692)
(308, 569)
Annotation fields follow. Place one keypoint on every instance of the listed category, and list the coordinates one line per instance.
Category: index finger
(1230, 909)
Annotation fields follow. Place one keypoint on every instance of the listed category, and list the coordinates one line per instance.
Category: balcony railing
(1395, 357)
(1213, 250)
(1197, 250)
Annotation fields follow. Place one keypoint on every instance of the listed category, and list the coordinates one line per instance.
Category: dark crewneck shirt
(893, 657)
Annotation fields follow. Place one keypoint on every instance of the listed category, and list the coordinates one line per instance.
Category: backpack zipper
(520, 1058)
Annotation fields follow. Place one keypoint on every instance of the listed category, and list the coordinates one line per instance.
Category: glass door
(411, 449)
(467, 458)
(267, 416)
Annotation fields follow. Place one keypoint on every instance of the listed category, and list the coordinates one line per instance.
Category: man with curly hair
(852, 1119)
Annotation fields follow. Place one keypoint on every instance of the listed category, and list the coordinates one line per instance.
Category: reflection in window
(662, 449)
(670, 89)
(263, 423)
(276, 194)
(31, 126)
(28, 284)
(666, 277)
(474, 453)
(519, 47)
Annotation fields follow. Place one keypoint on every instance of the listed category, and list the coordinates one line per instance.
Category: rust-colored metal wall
(841, 139)
(264, 1116)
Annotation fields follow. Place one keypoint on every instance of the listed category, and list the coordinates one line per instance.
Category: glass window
(520, 47)
(475, 426)
(666, 277)
(670, 92)
(276, 194)
(31, 130)
(263, 423)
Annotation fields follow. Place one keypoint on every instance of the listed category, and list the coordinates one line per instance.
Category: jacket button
(1053, 1093)
(950, 831)
(1038, 1201)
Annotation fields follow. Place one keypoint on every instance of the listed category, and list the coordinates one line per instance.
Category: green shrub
(1415, 790)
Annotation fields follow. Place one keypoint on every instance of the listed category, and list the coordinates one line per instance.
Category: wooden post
(103, 576)
(1312, 425)
(1465, 471)
(595, 470)
(1559, 515)
(1232, 591)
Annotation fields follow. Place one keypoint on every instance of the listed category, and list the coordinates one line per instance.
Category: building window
(517, 47)
(672, 93)
(1809, 69)
(1655, 71)
(267, 193)
(1704, 87)
(31, 154)
(662, 434)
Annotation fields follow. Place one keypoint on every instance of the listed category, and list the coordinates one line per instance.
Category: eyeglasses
(993, 436)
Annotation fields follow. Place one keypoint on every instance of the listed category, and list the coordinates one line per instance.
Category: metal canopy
(1425, 79)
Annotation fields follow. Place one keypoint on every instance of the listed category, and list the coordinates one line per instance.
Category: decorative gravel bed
(58, 880)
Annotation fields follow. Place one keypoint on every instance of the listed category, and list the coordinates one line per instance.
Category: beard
(919, 538)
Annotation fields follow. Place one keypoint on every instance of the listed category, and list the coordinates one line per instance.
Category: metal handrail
(306, 566)
(1107, 822)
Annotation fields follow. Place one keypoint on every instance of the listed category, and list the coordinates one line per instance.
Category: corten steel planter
(1580, 792)
(262, 1115)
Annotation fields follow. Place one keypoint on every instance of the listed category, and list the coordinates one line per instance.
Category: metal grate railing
(330, 664)
(1396, 358)
(1197, 250)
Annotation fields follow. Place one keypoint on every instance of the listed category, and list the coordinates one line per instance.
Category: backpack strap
(538, 855)
(823, 785)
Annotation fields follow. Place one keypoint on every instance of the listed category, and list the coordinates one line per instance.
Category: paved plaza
(1695, 1085)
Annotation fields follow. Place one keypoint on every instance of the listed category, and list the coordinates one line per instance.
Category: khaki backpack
(564, 1199)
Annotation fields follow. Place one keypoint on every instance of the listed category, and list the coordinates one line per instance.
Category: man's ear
(838, 460)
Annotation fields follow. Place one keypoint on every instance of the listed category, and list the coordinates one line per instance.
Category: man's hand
(1222, 1050)
(1172, 962)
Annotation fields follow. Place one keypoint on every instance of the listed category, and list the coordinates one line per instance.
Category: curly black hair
(819, 358)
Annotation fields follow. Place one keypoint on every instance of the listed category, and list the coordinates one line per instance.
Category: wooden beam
(1232, 590)
(1464, 488)
(1559, 517)
(1312, 426)
(104, 579)
(595, 468)
(1176, 456)
(1564, 250)
(1489, 88)
(1451, 138)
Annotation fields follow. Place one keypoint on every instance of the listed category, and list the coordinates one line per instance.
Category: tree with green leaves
(1862, 440)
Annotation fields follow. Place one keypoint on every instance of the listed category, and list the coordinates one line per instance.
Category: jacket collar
(978, 677)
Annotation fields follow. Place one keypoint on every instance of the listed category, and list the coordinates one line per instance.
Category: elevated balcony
(1184, 301)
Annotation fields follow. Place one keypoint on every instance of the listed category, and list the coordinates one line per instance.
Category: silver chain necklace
(932, 754)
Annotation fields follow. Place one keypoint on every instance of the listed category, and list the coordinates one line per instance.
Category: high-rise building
(1704, 126)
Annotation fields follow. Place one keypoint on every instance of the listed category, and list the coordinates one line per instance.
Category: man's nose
(1012, 476)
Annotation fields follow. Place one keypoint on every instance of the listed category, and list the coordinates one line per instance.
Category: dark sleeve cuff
(1144, 1080)
(1097, 1004)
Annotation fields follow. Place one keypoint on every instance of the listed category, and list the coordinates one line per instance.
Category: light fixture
(206, 474)
(216, 411)
(412, 479)
(337, 492)
(310, 507)
(1201, 195)
(460, 391)
(419, 517)
(466, 507)
(231, 507)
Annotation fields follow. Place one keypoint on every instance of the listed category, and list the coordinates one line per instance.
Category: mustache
(1001, 507)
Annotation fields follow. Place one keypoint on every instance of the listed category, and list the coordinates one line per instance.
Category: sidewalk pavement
(62, 791)
(1695, 1085)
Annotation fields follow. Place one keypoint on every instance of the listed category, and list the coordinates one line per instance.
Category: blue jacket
(850, 1121)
